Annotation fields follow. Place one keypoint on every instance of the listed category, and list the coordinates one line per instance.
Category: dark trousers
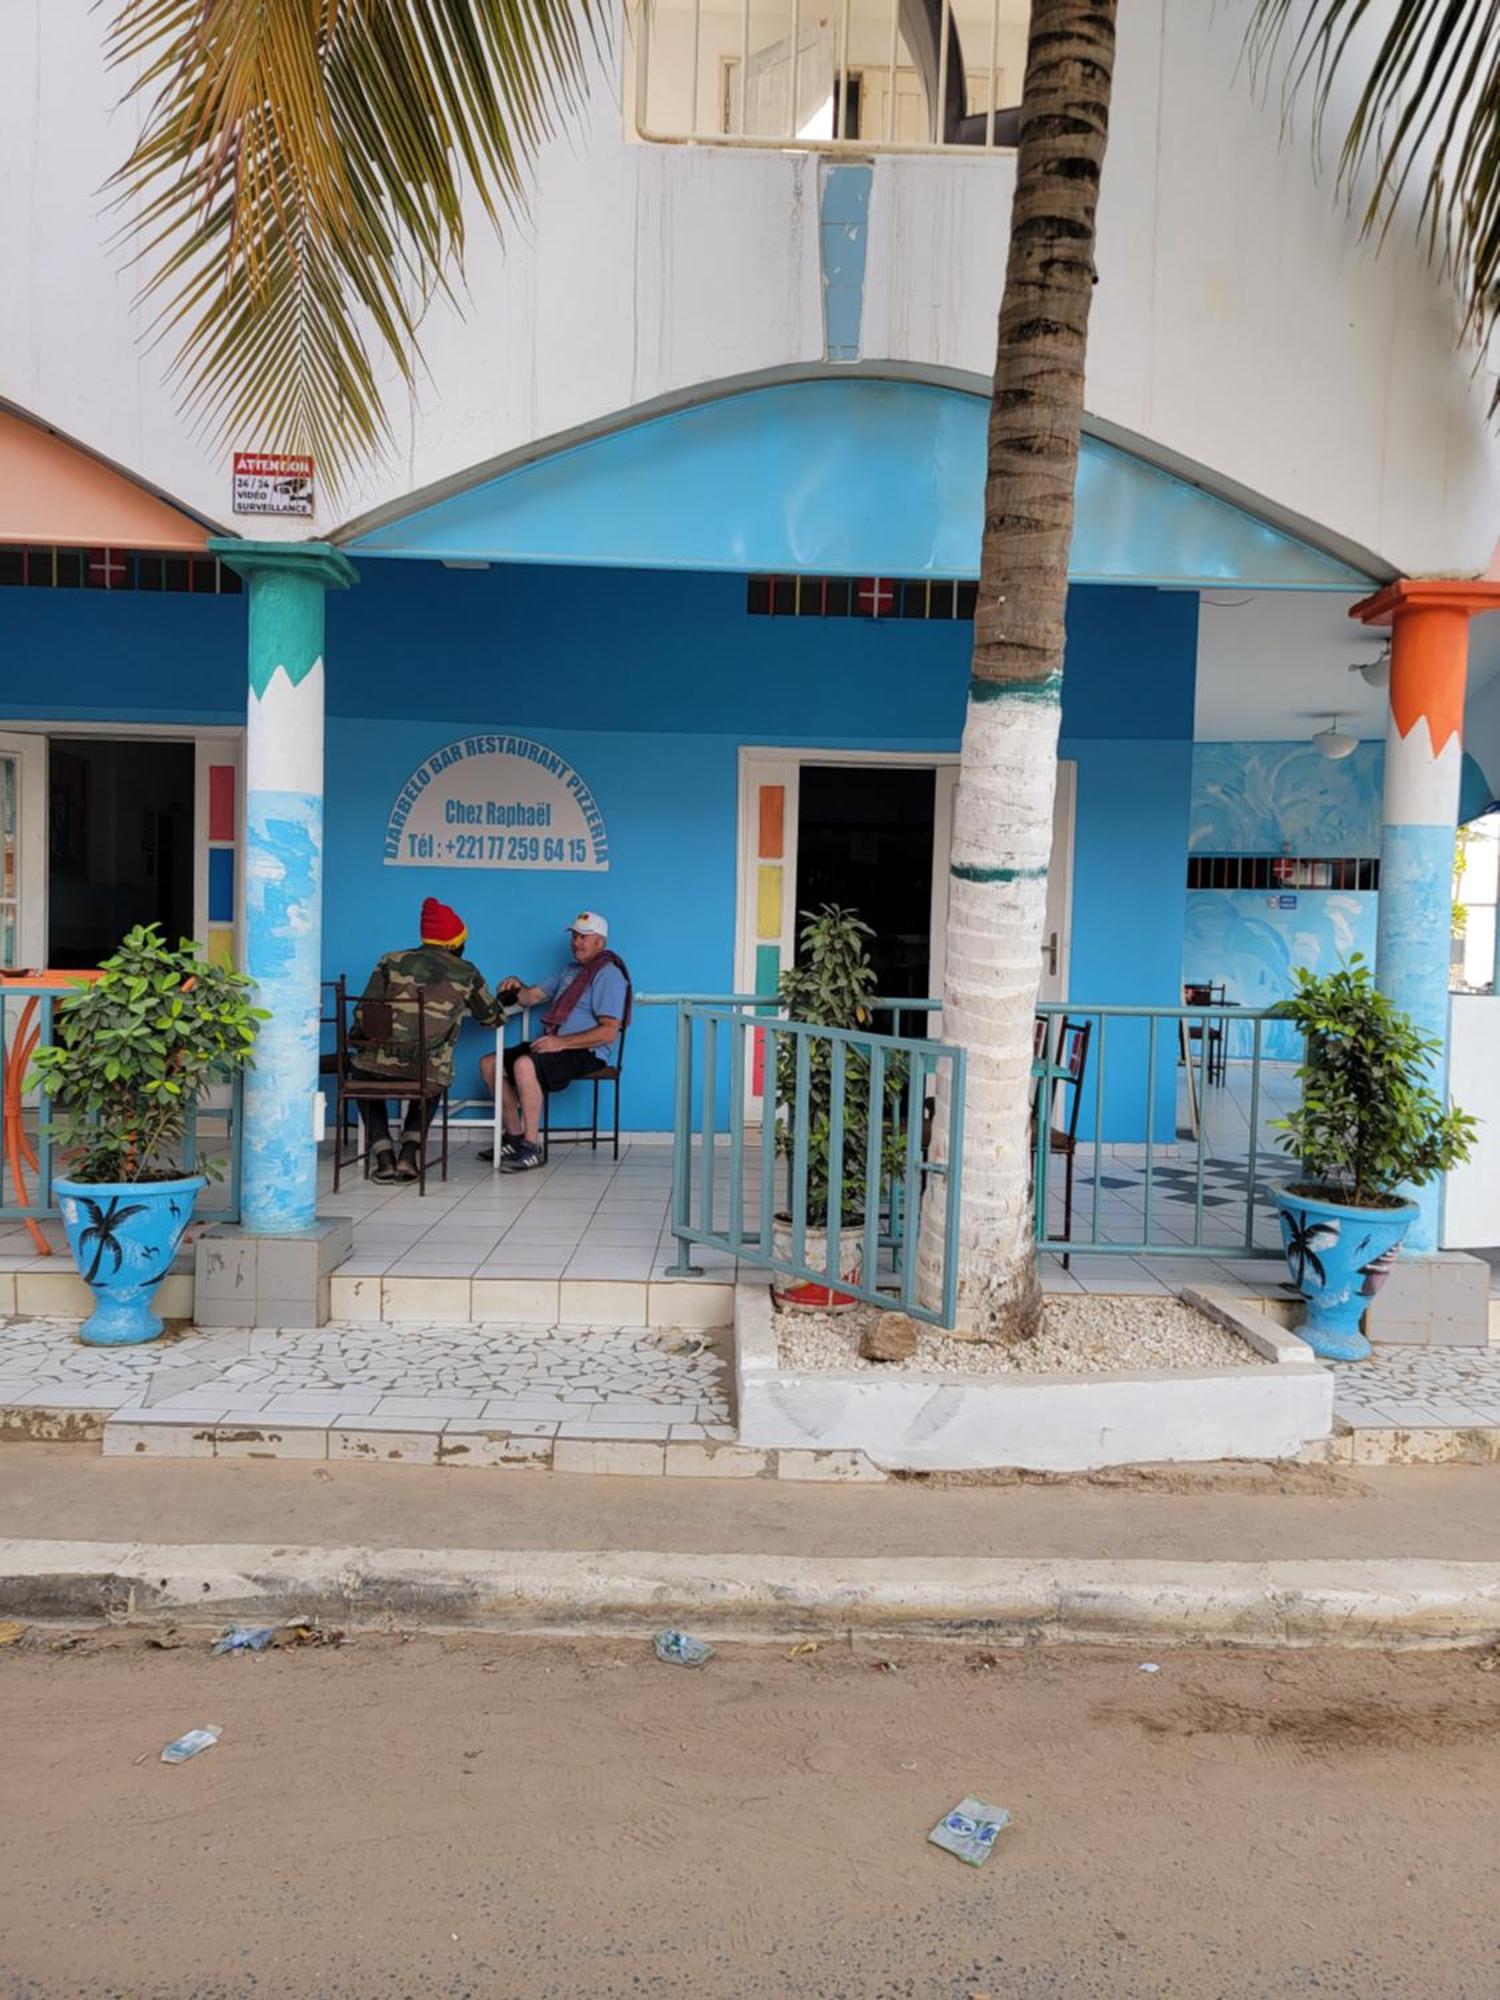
(376, 1113)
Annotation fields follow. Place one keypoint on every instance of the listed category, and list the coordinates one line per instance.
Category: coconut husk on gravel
(1091, 1335)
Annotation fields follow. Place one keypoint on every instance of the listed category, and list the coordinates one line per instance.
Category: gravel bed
(1080, 1336)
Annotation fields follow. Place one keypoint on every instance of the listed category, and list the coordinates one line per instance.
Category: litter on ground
(183, 1747)
(970, 1831)
(678, 1649)
(245, 1639)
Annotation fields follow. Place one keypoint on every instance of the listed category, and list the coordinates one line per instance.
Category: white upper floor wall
(1240, 325)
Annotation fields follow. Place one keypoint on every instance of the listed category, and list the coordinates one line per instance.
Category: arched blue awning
(849, 477)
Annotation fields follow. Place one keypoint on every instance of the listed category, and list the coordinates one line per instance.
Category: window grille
(858, 597)
(115, 569)
(852, 76)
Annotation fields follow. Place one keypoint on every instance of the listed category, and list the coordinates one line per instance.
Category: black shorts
(555, 1068)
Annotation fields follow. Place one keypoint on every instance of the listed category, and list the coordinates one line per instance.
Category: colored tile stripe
(767, 981)
(221, 885)
(772, 822)
(768, 901)
(221, 802)
(221, 948)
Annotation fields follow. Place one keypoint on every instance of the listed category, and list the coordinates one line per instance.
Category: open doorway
(865, 840)
(120, 843)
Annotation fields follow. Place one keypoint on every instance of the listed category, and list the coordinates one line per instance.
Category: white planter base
(926, 1422)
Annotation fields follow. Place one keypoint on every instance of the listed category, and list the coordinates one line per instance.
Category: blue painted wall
(648, 684)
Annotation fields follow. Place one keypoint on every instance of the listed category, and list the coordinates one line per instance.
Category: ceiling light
(1335, 743)
(1376, 672)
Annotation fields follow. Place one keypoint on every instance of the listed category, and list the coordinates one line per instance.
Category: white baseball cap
(589, 923)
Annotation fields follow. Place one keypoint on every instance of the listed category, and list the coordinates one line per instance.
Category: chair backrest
(1072, 1060)
(366, 1021)
(335, 1003)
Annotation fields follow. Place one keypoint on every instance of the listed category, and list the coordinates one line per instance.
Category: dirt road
(473, 1817)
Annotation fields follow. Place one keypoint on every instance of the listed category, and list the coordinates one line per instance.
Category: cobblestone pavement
(1420, 1388)
(532, 1381)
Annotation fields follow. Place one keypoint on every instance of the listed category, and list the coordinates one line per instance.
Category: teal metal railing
(27, 1152)
(757, 1209)
(1219, 1160)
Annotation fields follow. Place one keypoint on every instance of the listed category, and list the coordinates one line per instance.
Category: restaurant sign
(496, 802)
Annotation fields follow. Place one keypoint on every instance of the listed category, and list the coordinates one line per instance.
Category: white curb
(1000, 1601)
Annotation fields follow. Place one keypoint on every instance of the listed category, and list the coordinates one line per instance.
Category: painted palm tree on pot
(1371, 1125)
(135, 1050)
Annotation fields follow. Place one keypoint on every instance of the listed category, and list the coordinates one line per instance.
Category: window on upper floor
(856, 76)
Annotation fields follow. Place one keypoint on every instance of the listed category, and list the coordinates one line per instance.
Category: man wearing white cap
(587, 1002)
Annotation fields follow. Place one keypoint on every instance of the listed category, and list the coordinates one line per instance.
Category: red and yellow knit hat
(443, 926)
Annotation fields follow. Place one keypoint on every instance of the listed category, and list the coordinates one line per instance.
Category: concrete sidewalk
(1182, 1513)
(1241, 1555)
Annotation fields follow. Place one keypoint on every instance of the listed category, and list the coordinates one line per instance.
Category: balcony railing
(836, 76)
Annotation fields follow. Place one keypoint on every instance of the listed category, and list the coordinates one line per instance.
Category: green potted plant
(136, 1047)
(1369, 1126)
(832, 985)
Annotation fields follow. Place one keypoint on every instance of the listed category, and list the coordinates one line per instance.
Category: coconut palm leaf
(297, 192)
(1429, 108)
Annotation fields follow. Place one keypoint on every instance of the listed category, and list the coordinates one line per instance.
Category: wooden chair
(335, 993)
(372, 1026)
(574, 1135)
(1066, 1074)
(1204, 995)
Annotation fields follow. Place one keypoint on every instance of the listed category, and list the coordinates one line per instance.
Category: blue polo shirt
(604, 999)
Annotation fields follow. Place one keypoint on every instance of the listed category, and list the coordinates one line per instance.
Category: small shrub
(136, 1048)
(1370, 1122)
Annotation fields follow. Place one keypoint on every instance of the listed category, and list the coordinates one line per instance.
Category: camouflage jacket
(384, 1037)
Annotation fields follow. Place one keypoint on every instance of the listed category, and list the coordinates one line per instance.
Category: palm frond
(296, 195)
(1429, 107)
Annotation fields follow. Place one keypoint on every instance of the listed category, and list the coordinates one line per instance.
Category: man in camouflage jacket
(416, 1000)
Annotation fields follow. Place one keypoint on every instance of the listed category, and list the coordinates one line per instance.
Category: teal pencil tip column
(1419, 815)
(284, 870)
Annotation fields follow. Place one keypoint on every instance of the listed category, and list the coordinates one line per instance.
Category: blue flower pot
(1339, 1258)
(123, 1236)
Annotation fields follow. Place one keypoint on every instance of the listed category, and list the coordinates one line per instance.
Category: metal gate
(846, 1140)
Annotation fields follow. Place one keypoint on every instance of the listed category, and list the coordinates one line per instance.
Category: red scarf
(570, 995)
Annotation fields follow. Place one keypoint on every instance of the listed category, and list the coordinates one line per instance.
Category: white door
(1058, 923)
(23, 852)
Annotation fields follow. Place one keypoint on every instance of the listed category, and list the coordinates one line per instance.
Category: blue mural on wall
(1266, 798)
(1239, 939)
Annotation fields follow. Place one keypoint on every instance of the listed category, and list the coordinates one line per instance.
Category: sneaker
(523, 1159)
(508, 1147)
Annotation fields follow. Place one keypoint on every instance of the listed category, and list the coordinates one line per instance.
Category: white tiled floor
(584, 1215)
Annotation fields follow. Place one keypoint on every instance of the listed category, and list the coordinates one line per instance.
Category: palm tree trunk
(1002, 823)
